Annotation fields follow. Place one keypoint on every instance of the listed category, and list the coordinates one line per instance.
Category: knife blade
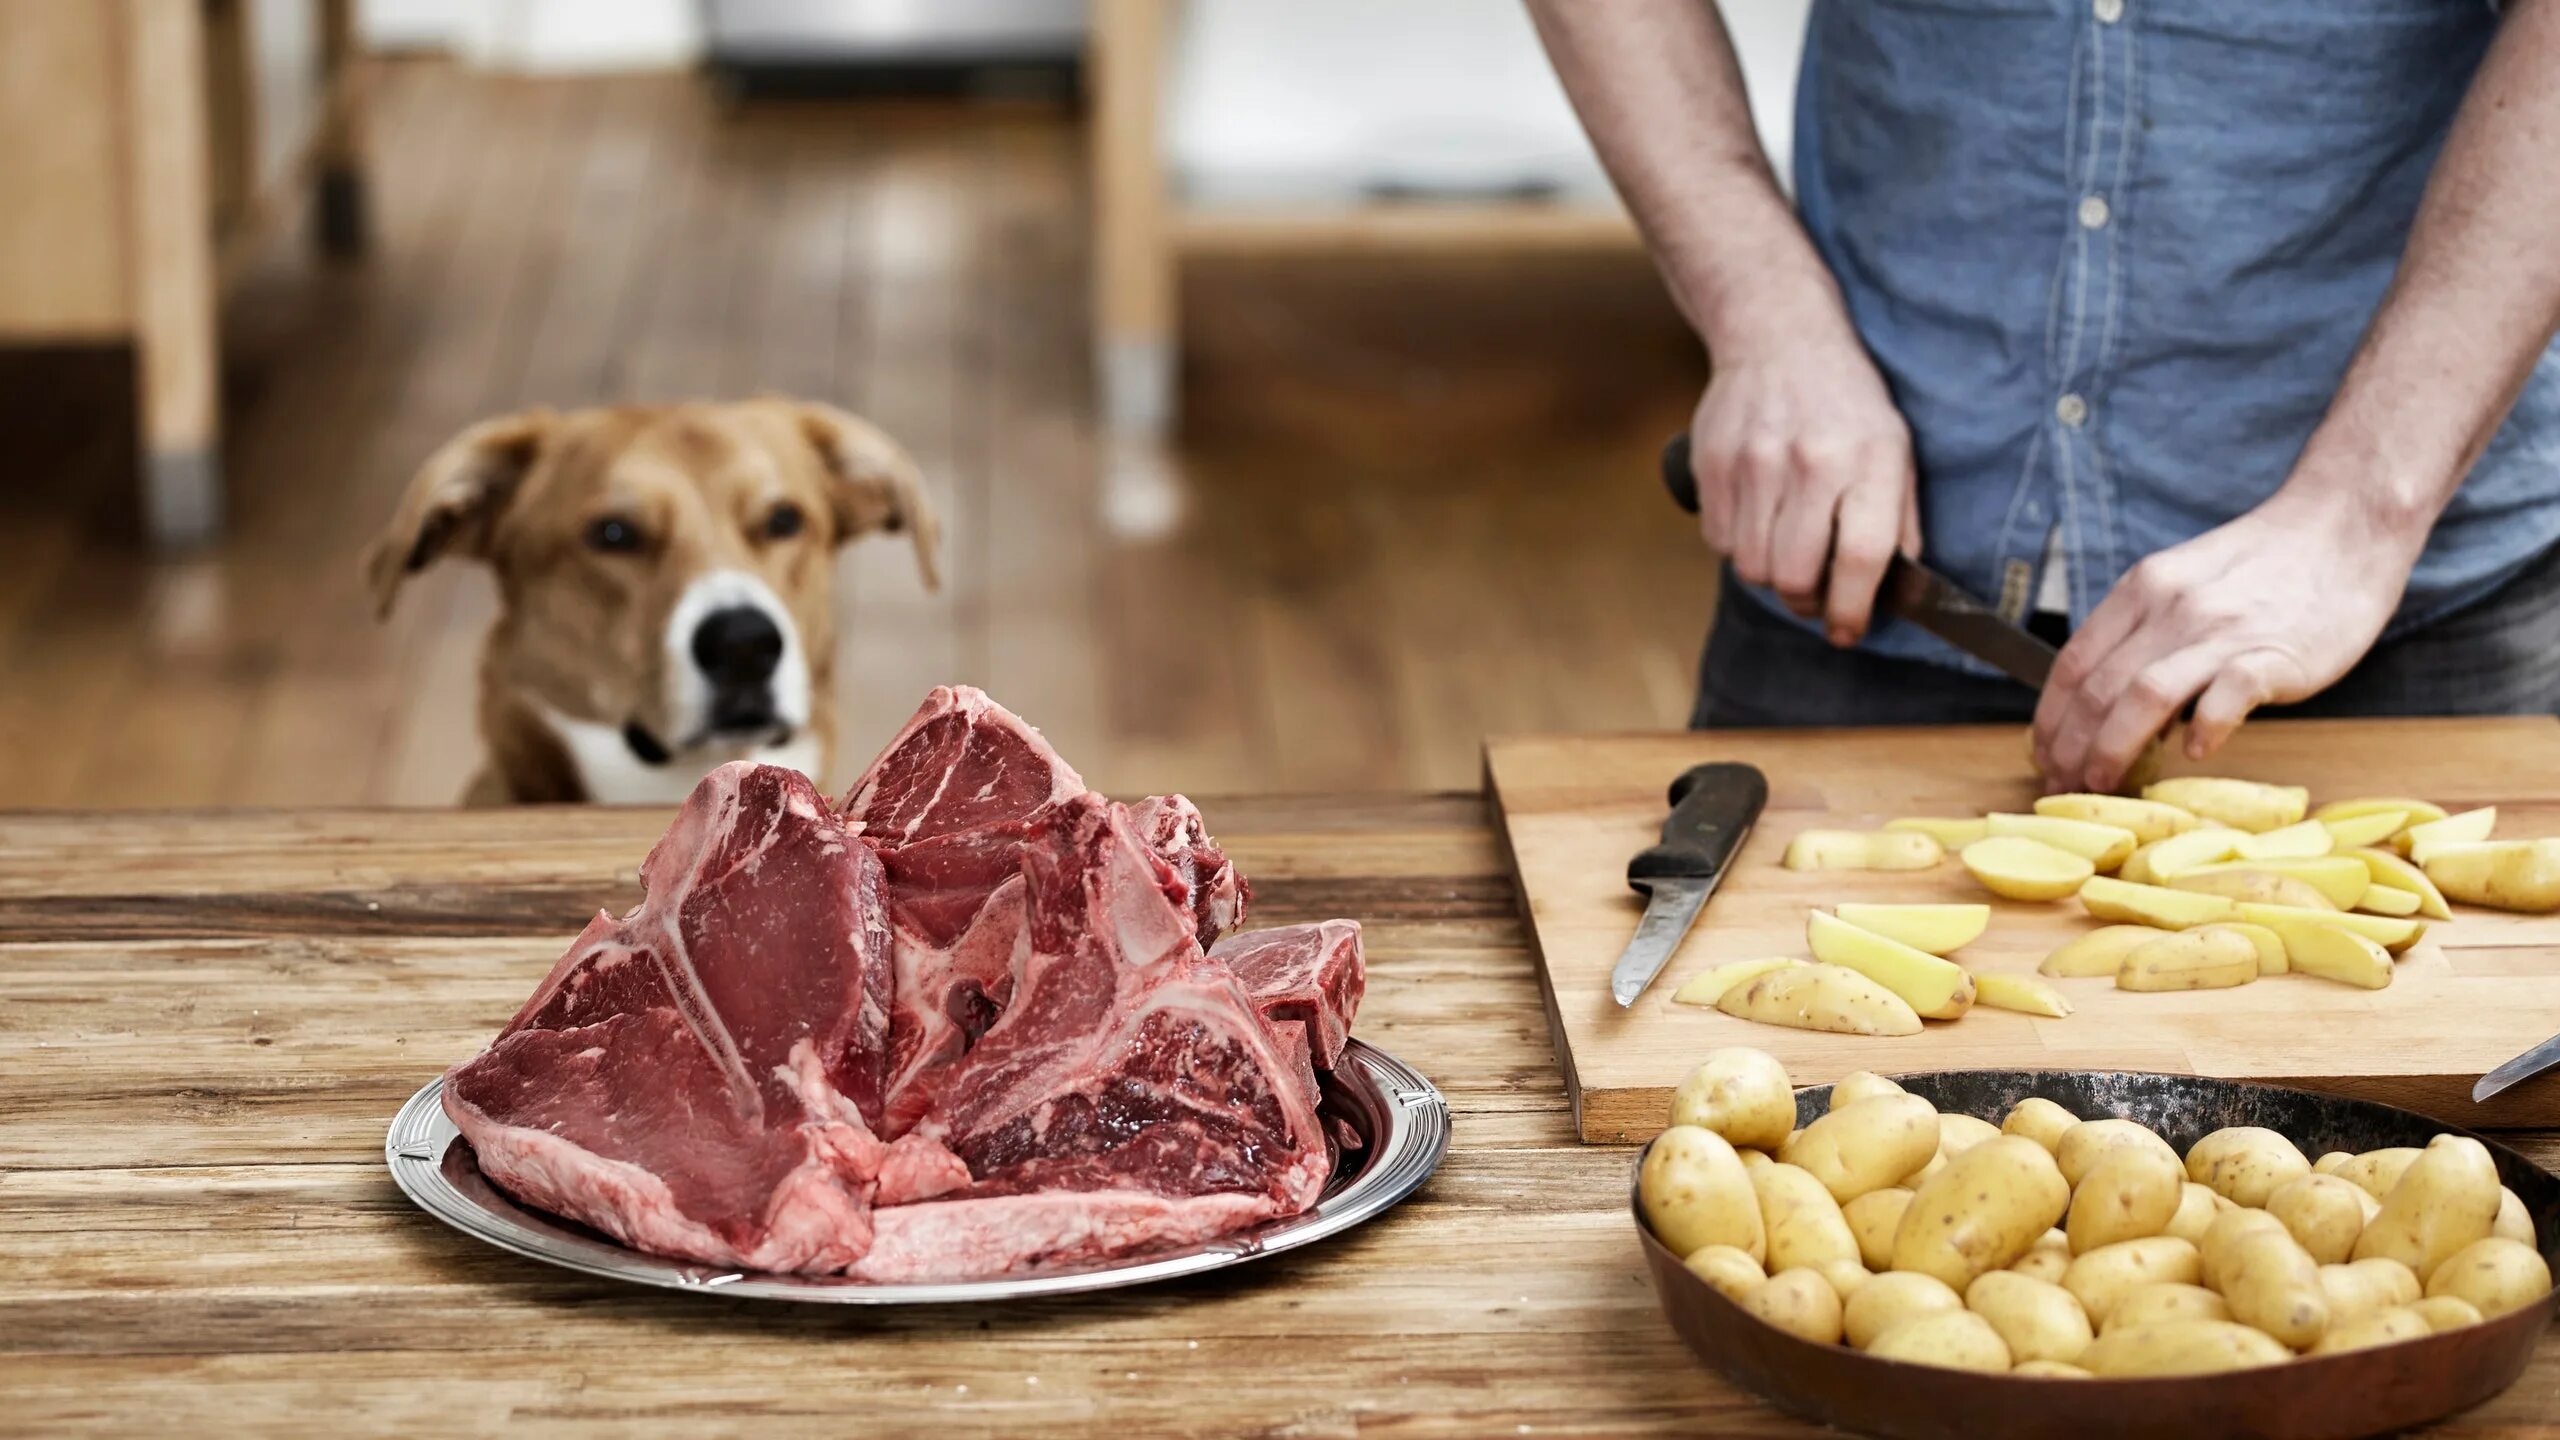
(1713, 807)
(1917, 594)
(2515, 1072)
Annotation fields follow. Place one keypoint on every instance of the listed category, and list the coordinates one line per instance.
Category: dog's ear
(453, 502)
(873, 484)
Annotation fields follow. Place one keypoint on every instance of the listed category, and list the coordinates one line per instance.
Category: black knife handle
(1712, 809)
(1677, 477)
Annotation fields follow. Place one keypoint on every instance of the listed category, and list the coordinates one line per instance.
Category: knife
(1916, 593)
(1712, 810)
(2522, 1068)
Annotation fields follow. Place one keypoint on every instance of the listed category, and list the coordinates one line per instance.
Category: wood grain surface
(2477, 991)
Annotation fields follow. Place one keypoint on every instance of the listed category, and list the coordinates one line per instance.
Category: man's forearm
(1657, 87)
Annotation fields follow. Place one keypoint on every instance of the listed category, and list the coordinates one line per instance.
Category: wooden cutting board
(2477, 991)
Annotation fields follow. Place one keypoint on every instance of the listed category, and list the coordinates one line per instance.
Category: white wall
(544, 35)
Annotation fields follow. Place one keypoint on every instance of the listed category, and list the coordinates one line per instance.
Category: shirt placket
(2083, 317)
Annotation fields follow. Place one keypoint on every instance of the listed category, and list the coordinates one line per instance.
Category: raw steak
(1309, 976)
(1171, 826)
(702, 1078)
(961, 762)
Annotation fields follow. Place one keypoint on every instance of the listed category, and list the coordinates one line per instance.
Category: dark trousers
(2500, 655)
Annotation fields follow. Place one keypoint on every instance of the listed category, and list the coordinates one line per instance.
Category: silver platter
(1400, 1118)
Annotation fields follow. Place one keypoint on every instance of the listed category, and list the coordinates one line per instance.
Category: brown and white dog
(665, 580)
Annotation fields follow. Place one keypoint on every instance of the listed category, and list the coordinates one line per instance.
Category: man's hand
(2268, 609)
(1805, 477)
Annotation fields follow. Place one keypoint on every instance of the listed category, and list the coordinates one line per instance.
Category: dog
(666, 585)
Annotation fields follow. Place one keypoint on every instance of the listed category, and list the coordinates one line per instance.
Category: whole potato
(2382, 1327)
(1873, 1218)
(2514, 1221)
(2197, 1208)
(1695, 1193)
(2446, 1199)
(1799, 1302)
(2361, 1287)
(1727, 1271)
(2132, 1191)
(1754, 1160)
(1960, 1340)
(2181, 1347)
(1803, 1223)
(2376, 1171)
(2330, 1162)
(2047, 1259)
(2273, 1284)
(1892, 1298)
(1741, 1094)
(2324, 1213)
(2152, 1304)
(1846, 1277)
(1860, 1085)
(2048, 1370)
(2036, 1319)
(2038, 1119)
(1959, 1133)
(1982, 1212)
(1867, 1144)
(2447, 1312)
(2495, 1274)
(2080, 1146)
(2225, 1234)
(2109, 1273)
(2245, 1163)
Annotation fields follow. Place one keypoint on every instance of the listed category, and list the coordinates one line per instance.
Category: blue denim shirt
(2112, 257)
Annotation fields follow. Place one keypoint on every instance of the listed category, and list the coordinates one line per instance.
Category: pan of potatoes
(2090, 1253)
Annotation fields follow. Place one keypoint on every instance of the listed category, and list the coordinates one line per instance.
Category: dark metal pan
(2365, 1392)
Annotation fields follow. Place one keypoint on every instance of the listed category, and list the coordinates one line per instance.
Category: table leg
(171, 255)
(1134, 258)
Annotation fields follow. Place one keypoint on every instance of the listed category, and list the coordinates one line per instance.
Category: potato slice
(2100, 952)
(1820, 997)
(2149, 820)
(2340, 879)
(1862, 850)
(1935, 989)
(2335, 954)
(2016, 868)
(1708, 986)
(2468, 828)
(1934, 928)
(2023, 993)
(2104, 846)
(2383, 900)
(1950, 832)
(2154, 905)
(2359, 830)
(2201, 959)
(2385, 868)
(2394, 935)
(2179, 854)
(2241, 804)
(2501, 874)
(2271, 952)
(2300, 841)
(2244, 881)
(2418, 812)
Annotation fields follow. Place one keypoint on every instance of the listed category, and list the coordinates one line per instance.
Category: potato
(1958, 1341)
(2323, 1213)
(1709, 986)
(1959, 1133)
(2175, 856)
(1695, 1193)
(2514, 1221)
(2302, 840)
(2203, 959)
(2080, 1147)
(2355, 831)
(2015, 868)
(1951, 833)
(2130, 1192)
(2104, 846)
(2149, 820)
(2037, 1320)
(2272, 1283)
(2386, 869)
(2245, 1163)
(2168, 1300)
(1729, 1272)
(2495, 1274)
(1935, 989)
(2049, 1259)
(1754, 1160)
(2365, 1286)
(2182, 1347)
(2383, 900)
(1799, 1302)
(1867, 1145)
(2154, 905)
(2271, 953)
(2197, 1209)
(2335, 954)
(2230, 1226)
(2233, 882)
(2048, 1370)
(1860, 1085)
(1844, 1276)
(2107, 1274)
(1862, 850)
(2240, 804)
(2376, 1171)
(1981, 1212)
(2341, 880)
(2097, 952)
(1935, 929)
(1821, 997)
(2023, 994)
(2447, 1312)
(2394, 935)
(1804, 1225)
(2503, 875)
(1741, 1094)
(2413, 812)
(1873, 1218)
(1893, 1298)
(2038, 1119)
(2468, 828)
(2445, 1201)
(2382, 1327)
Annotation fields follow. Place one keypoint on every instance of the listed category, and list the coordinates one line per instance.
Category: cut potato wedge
(2149, 820)
(2154, 905)
(2181, 853)
(2359, 830)
(1935, 989)
(2418, 812)
(2023, 993)
(2301, 841)
(2016, 868)
(1708, 986)
(2468, 828)
(2104, 846)
(2340, 879)
(1949, 832)
(2335, 954)
(2385, 868)
(1934, 928)
(2271, 953)
(2383, 900)
(2392, 934)
(1820, 997)
(2099, 953)
(1862, 850)
(2242, 881)
(2240, 804)
(2501, 874)
(2200, 959)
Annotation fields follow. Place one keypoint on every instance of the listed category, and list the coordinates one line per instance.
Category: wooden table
(207, 1020)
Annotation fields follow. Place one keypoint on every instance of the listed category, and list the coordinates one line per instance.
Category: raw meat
(1171, 826)
(1310, 976)
(961, 762)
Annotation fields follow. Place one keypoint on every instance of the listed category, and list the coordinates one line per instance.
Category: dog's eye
(784, 521)
(613, 535)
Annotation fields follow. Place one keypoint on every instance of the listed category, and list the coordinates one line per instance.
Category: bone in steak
(1305, 975)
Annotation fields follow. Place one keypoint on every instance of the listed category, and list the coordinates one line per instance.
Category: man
(2218, 333)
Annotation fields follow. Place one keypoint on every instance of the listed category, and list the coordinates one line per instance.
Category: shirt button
(2107, 11)
(2071, 410)
(2093, 212)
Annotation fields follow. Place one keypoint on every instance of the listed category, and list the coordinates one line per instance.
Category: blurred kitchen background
(1288, 378)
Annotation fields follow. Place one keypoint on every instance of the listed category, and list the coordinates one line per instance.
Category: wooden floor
(1412, 502)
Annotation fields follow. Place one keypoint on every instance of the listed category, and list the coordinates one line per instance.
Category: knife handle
(1677, 477)
(1712, 809)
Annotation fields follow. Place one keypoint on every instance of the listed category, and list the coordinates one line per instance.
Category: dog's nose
(737, 646)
